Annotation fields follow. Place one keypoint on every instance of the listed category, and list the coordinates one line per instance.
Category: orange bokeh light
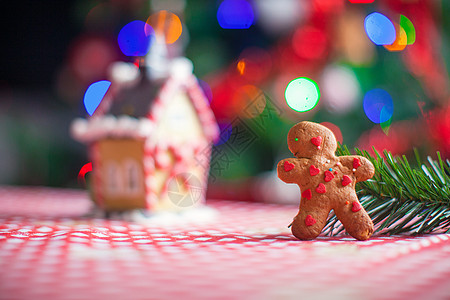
(249, 101)
(166, 24)
(401, 40)
(241, 66)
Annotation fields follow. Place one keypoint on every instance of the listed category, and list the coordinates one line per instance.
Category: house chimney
(156, 61)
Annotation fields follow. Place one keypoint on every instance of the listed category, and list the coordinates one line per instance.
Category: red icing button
(307, 194)
(346, 180)
(309, 220)
(356, 206)
(328, 176)
(288, 166)
(316, 140)
(347, 202)
(321, 188)
(356, 163)
(313, 170)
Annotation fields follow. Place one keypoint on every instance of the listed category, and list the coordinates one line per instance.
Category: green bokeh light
(410, 31)
(302, 94)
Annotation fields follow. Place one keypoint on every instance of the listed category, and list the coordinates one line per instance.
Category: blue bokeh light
(226, 129)
(379, 29)
(94, 95)
(235, 14)
(135, 38)
(378, 105)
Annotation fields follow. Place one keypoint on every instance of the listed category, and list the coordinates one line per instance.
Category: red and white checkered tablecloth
(48, 250)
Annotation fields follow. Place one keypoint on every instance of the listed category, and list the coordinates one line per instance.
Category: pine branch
(402, 199)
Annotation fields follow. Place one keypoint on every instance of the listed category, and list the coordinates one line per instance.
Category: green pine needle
(402, 199)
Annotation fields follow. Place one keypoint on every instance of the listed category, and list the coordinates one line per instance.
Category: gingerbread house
(150, 141)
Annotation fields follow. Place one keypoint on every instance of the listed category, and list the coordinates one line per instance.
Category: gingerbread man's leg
(310, 220)
(354, 218)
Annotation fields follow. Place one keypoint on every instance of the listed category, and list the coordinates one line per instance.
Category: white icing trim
(109, 126)
(181, 68)
(124, 74)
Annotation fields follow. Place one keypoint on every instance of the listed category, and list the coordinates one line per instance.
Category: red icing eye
(313, 170)
(356, 163)
(328, 176)
(321, 188)
(356, 206)
(288, 166)
(316, 141)
(346, 180)
(309, 220)
(307, 194)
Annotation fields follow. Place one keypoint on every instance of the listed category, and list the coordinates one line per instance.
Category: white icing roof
(98, 127)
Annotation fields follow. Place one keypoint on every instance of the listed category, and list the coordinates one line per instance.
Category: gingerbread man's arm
(362, 168)
(290, 169)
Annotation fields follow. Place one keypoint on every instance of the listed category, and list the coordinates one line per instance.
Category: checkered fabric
(48, 250)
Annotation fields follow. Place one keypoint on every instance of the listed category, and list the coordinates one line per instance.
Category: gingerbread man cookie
(326, 182)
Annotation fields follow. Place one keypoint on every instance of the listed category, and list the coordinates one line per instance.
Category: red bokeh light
(335, 129)
(90, 57)
(309, 43)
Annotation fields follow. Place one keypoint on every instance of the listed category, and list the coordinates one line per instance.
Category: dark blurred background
(53, 50)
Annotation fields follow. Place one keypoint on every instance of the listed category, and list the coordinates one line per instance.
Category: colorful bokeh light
(379, 29)
(235, 14)
(335, 129)
(225, 132)
(302, 94)
(340, 89)
(135, 38)
(400, 40)
(387, 124)
(167, 25)
(241, 66)
(83, 171)
(309, 42)
(94, 95)
(378, 106)
(409, 29)
(249, 101)
(361, 1)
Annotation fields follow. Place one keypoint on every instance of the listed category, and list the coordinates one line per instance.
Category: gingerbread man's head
(308, 139)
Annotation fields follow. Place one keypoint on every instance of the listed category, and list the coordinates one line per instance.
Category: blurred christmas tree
(328, 42)
(246, 52)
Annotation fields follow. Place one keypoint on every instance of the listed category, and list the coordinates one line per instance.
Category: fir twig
(402, 199)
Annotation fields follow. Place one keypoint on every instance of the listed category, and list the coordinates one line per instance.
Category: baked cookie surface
(326, 182)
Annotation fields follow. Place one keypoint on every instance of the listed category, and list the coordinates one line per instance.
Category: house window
(113, 178)
(133, 177)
